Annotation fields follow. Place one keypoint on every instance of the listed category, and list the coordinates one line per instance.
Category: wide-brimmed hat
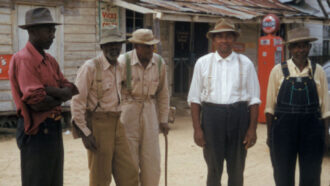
(223, 25)
(38, 16)
(143, 36)
(111, 35)
(300, 34)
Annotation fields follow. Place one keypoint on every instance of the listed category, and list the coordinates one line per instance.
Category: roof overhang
(130, 6)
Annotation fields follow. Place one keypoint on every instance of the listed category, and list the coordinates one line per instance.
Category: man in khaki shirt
(145, 103)
(297, 113)
(96, 112)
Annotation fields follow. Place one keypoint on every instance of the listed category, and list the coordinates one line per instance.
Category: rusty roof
(238, 9)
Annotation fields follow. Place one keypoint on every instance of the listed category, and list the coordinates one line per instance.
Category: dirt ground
(186, 164)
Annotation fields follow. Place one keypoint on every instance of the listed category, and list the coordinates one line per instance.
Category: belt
(224, 105)
(55, 117)
(140, 99)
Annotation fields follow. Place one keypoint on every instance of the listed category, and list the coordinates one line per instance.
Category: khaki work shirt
(276, 78)
(87, 98)
(147, 83)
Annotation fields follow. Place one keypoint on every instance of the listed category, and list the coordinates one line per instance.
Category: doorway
(190, 43)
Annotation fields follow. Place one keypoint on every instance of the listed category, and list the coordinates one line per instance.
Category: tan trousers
(142, 130)
(113, 155)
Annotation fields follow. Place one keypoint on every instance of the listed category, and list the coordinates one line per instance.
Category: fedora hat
(111, 35)
(143, 36)
(38, 16)
(223, 25)
(300, 34)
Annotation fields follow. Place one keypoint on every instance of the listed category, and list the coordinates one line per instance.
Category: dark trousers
(295, 135)
(41, 154)
(224, 129)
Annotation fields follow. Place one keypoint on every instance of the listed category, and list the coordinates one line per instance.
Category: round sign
(270, 23)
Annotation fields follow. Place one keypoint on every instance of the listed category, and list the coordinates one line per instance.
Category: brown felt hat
(300, 34)
(223, 25)
(38, 16)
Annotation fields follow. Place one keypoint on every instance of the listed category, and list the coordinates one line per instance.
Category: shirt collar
(104, 61)
(135, 59)
(294, 66)
(228, 58)
(35, 54)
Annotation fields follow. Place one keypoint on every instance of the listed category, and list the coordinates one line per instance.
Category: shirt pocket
(153, 86)
(107, 88)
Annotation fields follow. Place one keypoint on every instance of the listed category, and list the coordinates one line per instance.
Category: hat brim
(212, 32)
(111, 40)
(152, 42)
(34, 24)
(302, 39)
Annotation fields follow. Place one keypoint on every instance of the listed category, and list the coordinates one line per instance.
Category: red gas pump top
(270, 24)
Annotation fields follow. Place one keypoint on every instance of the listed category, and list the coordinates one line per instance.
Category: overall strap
(313, 69)
(209, 79)
(128, 73)
(285, 69)
(99, 88)
(159, 65)
(240, 68)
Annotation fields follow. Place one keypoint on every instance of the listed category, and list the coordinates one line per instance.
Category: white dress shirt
(224, 84)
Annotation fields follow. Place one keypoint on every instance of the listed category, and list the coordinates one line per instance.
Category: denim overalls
(297, 130)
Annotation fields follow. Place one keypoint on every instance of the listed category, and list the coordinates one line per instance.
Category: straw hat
(143, 36)
(299, 35)
(111, 35)
(223, 25)
(38, 16)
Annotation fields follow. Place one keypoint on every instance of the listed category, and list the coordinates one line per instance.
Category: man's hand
(250, 138)
(89, 142)
(164, 128)
(199, 138)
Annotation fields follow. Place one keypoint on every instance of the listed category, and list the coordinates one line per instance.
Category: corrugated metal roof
(238, 9)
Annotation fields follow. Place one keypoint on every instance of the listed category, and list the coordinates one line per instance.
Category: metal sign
(270, 24)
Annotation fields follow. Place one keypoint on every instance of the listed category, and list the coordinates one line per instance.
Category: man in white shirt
(225, 89)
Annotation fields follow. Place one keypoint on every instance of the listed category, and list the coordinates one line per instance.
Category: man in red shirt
(39, 88)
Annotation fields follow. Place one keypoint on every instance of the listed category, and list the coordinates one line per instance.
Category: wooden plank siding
(80, 40)
(5, 31)
(79, 32)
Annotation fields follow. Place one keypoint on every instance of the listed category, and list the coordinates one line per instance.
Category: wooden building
(181, 26)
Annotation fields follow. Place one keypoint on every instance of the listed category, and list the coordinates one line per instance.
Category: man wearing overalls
(225, 91)
(296, 113)
(145, 103)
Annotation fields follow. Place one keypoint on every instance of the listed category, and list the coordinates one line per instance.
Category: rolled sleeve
(79, 102)
(195, 90)
(272, 91)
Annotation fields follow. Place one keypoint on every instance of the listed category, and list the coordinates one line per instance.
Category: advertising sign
(4, 66)
(270, 24)
(109, 15)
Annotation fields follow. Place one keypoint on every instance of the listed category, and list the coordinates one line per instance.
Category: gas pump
(270, 52)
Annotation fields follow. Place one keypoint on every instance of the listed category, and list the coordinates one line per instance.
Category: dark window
(134, 21)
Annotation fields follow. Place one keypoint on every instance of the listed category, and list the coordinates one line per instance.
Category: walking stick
(166, 152)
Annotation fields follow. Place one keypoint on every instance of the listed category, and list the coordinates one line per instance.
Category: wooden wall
(80, 35)
(6, 47)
